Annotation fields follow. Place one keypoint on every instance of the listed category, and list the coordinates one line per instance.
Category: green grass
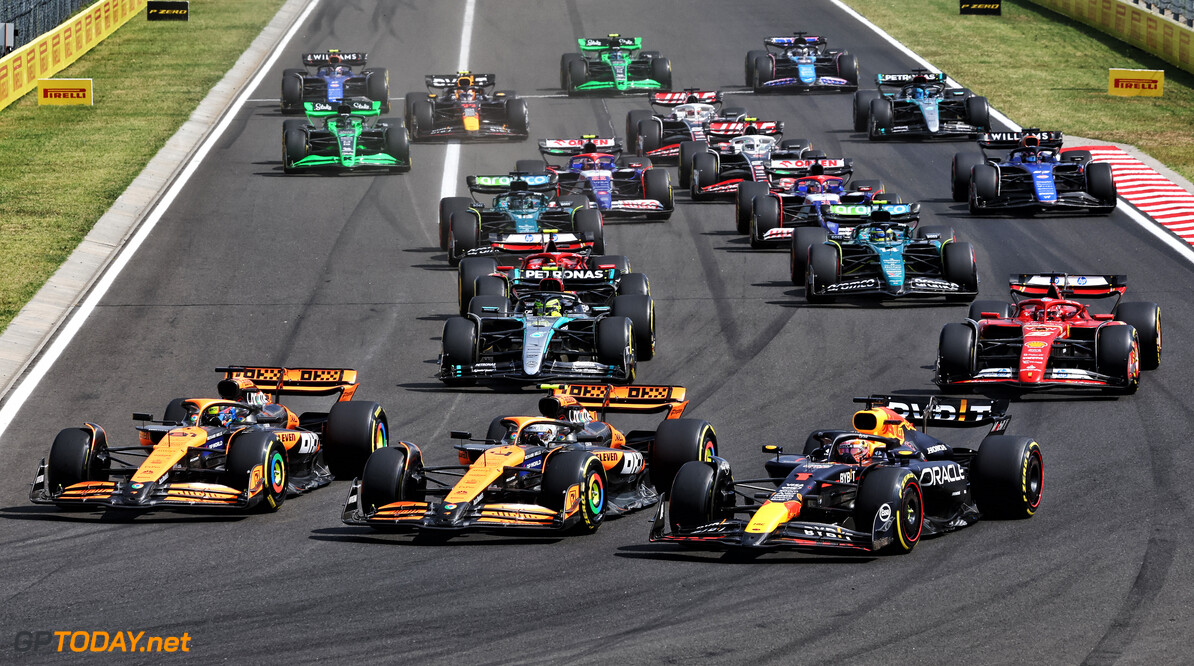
(64, 166)
(1044, 70)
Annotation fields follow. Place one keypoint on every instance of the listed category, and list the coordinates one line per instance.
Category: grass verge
(64, 166)
(1044, 70)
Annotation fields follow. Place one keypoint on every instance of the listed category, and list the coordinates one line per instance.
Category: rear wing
(904, 213)
(746, 126)
(625, 399)
(357, 107)
(686, 96)
(945, 411)
(297, 381)
(796, 39)
(534, 182)
(459, 80)
(915, 76)
(1062, 285)
(1050, 139)
(798, 167)
(612, 41)
(335, 57)
(588, 143)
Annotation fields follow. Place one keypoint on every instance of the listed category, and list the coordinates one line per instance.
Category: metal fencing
(32, 18)
(1178, 10)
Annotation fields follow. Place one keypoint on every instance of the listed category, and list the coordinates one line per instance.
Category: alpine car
(919, 105)
(547, 335)
(621, 186)
(239, 451)
(596, 278)
(1036, 176)
(333, 81)
(889, 259)
(880, 487)
(1050, 340)
(724, 165)
(690, 113)
(800, 63)
(348, 135)
(614, 64)
(566, 470)
(465, 106)
(524, 217)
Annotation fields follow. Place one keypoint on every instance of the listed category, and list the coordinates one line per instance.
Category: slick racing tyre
(1117, 354)
(764, 72)
(847, 68)
(77, 455)
(459, 342)
(689, 150)
(257, 449)
(464, 236)
(824, 264)
(661, 72)
(469, 271)
(576, 76)
(294, 148)
(633, 118)
(961, 269)
(355, 430)
(1007, 477)
(657, 186)
(1146, 319)
(678, 442)
(292, 90)
(744, 203)
(615, 344)
(862, 108)
(634, 284)
(704, 174)
(396, 143)
(588, 221)
(565, 469)
(765, 218)
(693, 499)
(447, 206)
(804, 239)
(422, 119)
(959, 171)
(882, 117)
(891, 493)
(377, 86)
(1101, 185)
(640, 310)
(984, 183)
(518, 119)
(566, 61)
(956, 352)
(391, 475)
(978, 113)
(751, 57)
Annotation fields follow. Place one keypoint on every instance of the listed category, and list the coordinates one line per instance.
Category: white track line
(67, 333)
(447, 186)
(1148, 224)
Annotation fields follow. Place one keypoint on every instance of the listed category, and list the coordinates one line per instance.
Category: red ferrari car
(1049, 340)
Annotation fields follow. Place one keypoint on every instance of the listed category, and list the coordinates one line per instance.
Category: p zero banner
(52, 52)
(1136, 82)
(167, 10)
(62, 92)
(1158, 35)
(993, 7)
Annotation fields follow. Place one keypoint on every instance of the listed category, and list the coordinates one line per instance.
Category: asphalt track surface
(252, 267)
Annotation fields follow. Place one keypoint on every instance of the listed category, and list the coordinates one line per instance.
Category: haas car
(800, 63)
(880, 486)
(1050, 340)
(524, 216)
(734, 153)
(887, 258)
(334, 81)
(919, 105)
(465, 106)
(620, 186)
(1035, 176)
(687, 118)
(242, 450)
(566, 470)
(614, 64)
(348, 135)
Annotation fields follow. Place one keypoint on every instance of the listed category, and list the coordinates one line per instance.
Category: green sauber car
(345, 135)
(614, 64)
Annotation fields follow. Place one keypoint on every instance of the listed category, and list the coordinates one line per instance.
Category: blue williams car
(919, 104)
(620, 186)
(800, 63)
(1035, 176)
(888, 259)
(334, 81)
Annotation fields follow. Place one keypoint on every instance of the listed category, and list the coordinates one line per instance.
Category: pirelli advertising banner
(52, 52)
(1158, 35)
(1136, 82)
(991, 7)
(62, 92)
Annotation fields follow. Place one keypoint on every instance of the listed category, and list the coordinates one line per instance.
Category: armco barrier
(50, 53)
(1162, 37)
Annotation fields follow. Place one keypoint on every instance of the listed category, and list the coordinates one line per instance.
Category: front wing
(414, 516)
(795, 534)
(551, 371)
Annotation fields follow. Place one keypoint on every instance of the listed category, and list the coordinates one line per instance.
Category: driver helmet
(341, 70)
(918, 92)
(219, 415)
(552, 307)
(810, 187)
(857, 451)
(539, 434)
